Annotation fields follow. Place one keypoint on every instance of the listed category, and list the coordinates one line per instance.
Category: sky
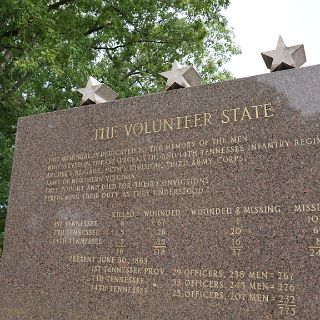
(257, 25)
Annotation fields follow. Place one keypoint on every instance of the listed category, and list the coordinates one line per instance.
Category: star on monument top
(181, 77)
(96, 92)
(284, 57)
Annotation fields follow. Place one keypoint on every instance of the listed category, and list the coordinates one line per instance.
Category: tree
(49, 48)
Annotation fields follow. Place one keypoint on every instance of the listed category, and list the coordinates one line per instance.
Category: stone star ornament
(284, 57)
(96, 92)
(181, 77)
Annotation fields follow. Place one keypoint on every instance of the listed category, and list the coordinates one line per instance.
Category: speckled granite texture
(199, 203)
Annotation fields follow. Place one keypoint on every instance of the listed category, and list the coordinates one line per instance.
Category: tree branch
(134, 71)
(100, 27)
(14, 88)
(10, 33)
(128, 43)
(110, 48)
(58, 4)
(93, 29)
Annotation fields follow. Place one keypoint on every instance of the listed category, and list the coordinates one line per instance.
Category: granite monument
(198, 203)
